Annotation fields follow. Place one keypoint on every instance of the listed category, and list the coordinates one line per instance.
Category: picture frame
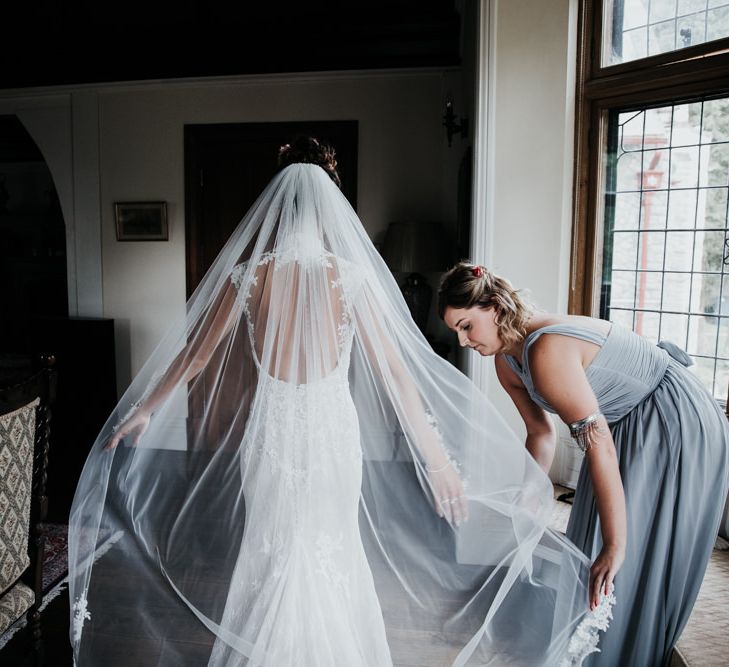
(141, 221)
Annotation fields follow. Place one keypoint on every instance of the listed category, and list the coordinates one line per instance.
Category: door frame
(342, 133)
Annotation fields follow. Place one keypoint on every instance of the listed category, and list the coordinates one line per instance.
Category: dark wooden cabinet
(86, 395)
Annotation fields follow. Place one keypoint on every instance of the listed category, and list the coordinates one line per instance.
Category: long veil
(284, 502)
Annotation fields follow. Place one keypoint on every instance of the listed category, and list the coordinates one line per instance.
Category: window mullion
(668, 80)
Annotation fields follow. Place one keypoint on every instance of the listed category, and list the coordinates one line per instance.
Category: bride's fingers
(463, 507)
(113, 441)
(454, 493)
(438, 502)
(459, 500)
(452, 504)
(140, 432)
(437, 499)
(448, 510)
(445, 503)
(443, 508)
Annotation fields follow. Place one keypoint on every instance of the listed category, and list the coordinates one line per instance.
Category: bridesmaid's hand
(450, 497)
(603, 572)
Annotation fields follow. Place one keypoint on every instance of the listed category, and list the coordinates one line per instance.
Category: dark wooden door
(228, 165)
(226, 168)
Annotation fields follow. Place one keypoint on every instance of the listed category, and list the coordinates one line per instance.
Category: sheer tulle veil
(288, 486)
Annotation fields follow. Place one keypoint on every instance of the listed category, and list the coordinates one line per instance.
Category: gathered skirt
(673, 451)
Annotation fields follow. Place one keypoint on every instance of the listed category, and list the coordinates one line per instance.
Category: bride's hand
(450, 498)
(136, 424)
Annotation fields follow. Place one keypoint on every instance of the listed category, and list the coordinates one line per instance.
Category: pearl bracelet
(429, 469)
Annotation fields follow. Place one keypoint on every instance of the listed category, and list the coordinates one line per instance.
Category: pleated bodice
(626, 369)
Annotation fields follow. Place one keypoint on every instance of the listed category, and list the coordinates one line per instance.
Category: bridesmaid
(651, 491)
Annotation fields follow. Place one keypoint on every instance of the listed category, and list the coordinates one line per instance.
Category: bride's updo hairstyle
(310, 151)
(467, 285)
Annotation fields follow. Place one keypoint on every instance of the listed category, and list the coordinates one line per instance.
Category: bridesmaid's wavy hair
(310, 150)
(467, 285)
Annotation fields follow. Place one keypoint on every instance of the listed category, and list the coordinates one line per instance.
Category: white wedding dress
(302, 589)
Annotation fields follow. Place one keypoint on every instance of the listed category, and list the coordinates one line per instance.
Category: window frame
(668, 78)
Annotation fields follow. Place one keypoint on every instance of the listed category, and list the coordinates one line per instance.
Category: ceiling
(46, 42)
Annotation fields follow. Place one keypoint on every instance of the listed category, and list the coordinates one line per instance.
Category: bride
(295, 478)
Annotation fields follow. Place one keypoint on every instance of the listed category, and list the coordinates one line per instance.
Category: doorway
(228, 165)
(33, 252)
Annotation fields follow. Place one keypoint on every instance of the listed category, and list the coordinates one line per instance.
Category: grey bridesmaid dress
(672, 441)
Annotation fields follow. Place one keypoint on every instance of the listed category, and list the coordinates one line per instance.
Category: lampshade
(416, 246)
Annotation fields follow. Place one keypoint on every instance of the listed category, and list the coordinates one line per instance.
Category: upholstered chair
(24, 430)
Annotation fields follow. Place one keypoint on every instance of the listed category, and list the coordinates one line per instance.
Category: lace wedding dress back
(302, 588)
(292, 498)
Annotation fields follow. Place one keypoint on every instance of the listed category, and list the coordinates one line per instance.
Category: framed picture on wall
(141, 221)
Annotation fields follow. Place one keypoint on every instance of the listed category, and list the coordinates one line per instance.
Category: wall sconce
(451, 124)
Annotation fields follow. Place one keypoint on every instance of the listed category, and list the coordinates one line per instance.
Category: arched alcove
(33, 269)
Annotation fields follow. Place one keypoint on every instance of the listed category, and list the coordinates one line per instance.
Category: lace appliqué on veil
(236, 275)
(80, 614)
(344, 327)
(585, 638)
(307, 253)
(153, 382)
(452, 462)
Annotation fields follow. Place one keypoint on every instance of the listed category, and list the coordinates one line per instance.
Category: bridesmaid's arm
(556, 364)
(541, 439)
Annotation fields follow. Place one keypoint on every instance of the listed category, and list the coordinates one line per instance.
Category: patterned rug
(55, 556)
(55, 567)
(55, 571)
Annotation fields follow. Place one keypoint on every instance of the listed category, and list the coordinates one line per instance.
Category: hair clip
(283, 148)
(477, 271)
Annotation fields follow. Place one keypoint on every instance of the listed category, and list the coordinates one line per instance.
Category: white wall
(534, 97)
(401, 152)
(125, 142)
(528, 70)
(405, 167)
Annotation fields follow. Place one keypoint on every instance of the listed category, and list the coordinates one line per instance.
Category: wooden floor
(705, 641)
(55, 648)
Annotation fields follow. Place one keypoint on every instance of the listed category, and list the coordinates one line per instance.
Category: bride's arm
(387, 361)
(191, 360)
